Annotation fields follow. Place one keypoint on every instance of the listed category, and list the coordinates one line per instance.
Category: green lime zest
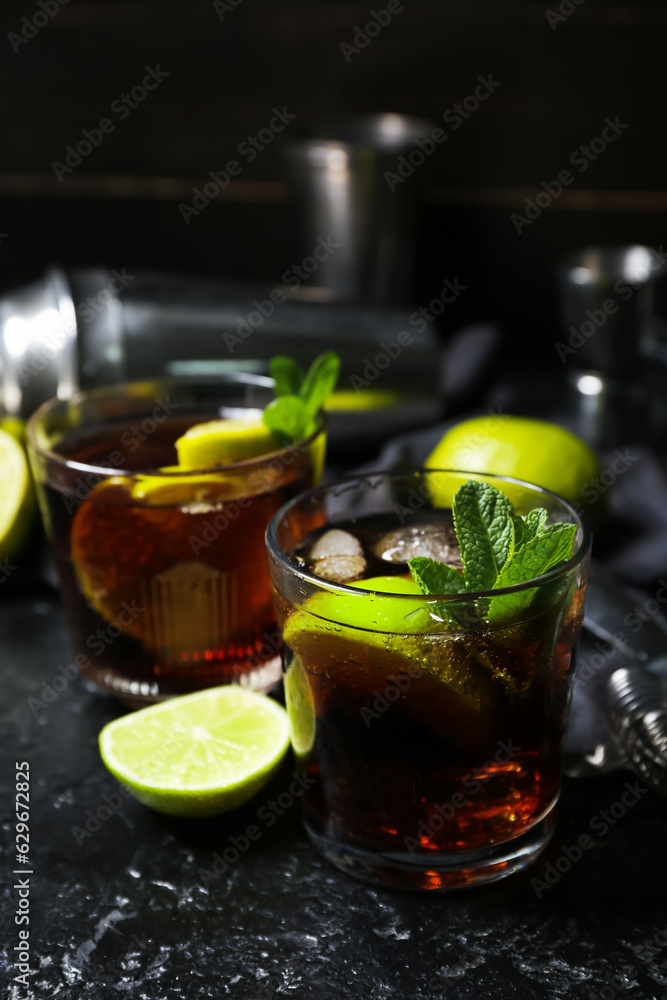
(300, 395)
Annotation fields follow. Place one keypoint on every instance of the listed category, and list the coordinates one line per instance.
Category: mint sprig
(299, 395)
(499, 549)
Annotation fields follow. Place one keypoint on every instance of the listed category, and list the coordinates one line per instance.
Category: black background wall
(229, 65)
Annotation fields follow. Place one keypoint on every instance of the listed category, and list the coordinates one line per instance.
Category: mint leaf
(435, 577)
(537, 556)
(485, 532)
(519, 534)
(288, 418)
(534, 522)
(291, 416)
(287, 375)
(320, 381)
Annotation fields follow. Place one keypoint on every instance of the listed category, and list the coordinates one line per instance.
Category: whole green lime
(533, 450)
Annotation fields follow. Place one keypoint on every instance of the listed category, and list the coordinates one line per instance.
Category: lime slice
(377, 612)
(16, 496)
(198, 755)
(398, 629)
(220, 442)
(446, 683)
(171, 491)
(300, 708)
(168, 491)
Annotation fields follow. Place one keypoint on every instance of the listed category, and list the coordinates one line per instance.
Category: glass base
(140, 693)
(438, 872)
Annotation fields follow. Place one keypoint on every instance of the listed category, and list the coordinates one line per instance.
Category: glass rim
(242, 466)
(349, 589)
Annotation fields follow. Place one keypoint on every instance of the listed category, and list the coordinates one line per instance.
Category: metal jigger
(607, 306)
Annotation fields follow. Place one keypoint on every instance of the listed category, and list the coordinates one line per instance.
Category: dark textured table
(124, 902)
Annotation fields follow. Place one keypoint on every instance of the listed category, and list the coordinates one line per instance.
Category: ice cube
(435, 541)
(340, 568)
(336, 543)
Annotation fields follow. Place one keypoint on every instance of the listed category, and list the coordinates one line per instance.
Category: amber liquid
(169, 593)
(434, 745)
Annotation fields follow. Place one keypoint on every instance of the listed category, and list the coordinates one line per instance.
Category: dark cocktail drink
(163, 573)
(433, 728)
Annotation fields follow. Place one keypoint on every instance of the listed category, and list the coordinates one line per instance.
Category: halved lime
(198, 755)
(16, 496)
(220, 442)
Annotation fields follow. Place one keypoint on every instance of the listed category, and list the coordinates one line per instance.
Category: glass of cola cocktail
(163, 572)
(433, 727)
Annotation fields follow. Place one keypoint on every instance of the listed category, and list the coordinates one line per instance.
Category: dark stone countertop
(126, 908)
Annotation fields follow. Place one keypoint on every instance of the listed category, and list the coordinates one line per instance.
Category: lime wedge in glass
(198, 755)
(220, 442)
(16, 496)
(377, 612)
(169, 491)
(382, 638)
(300, 708)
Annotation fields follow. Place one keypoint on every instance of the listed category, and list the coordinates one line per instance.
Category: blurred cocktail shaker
(356, 180)
(92, 327)
(607, 309)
